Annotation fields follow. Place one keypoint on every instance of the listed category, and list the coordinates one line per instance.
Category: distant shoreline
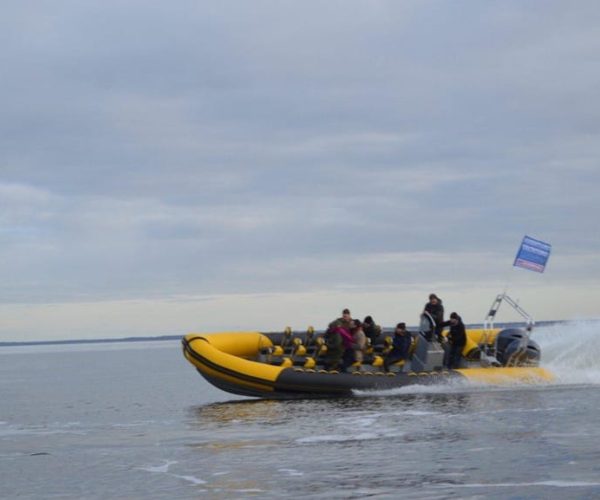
(177, 337)
(88, 341)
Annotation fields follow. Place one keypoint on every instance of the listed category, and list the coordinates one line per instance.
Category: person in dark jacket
(400, 346)
(372, 330)
(435, 308)
(335, 348)
(457, 337)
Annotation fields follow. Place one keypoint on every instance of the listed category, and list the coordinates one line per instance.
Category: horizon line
(105, 340)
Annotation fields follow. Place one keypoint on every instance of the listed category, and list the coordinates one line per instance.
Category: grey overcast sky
(168, 167)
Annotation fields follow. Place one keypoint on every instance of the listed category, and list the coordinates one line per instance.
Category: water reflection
(233, 411)
(277, 412)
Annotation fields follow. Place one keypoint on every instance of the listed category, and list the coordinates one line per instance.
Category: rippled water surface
(136, 421)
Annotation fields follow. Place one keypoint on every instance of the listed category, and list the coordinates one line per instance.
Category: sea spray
(571, 350)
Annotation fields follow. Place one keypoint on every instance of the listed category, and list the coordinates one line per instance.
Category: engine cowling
(509, 348)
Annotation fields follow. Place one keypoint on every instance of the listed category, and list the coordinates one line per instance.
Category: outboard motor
(515, 348)
(515, 355)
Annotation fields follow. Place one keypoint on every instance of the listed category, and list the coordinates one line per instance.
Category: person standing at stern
(457, 338)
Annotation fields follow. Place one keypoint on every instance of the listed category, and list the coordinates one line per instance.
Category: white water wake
(571, 351)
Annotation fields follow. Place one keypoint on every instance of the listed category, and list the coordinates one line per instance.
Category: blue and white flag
(533, 254)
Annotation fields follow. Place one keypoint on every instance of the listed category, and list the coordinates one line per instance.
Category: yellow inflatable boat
(289, 364)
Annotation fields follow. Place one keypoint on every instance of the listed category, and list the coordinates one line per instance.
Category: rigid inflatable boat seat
(298, 354)
(309, 337)
(298, 348)
(320, 350)
(286, 362)
(368, 358)
(397, 367)
(286, 341)
(388, 343)
(355, 367)
(311, 342)
(310, 363)
(273, 357)
(377, 362)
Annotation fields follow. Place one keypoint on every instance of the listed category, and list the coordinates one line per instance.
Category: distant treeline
(177, 337)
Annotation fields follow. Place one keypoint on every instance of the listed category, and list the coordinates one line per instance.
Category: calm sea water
(136, 421)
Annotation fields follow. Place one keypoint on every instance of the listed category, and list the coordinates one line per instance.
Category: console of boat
(290, 364)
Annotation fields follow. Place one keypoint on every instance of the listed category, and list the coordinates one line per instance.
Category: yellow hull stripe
(231, 379)
(506, 375)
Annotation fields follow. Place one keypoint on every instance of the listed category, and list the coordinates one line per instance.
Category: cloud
(149, 150)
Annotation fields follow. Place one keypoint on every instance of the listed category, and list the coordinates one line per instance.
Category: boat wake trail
(571, 351)
(450, 386)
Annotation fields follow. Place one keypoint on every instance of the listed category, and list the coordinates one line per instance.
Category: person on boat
(400, 346)
(338, 339)
(340, 351)
(344, 321)
(435, 308)
(359, 341)
(457, 337)
(371, 329)
(348, 344)
(335, 349)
